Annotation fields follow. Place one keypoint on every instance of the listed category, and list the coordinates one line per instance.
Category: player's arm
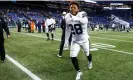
(6, 29)
(46, 23)
(67, 33)
(62, 24)
(68, 18)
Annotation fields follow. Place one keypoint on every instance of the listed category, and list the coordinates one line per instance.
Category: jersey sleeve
(5, 27)
(67, 34)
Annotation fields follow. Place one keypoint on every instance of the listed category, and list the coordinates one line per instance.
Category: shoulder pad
(83, 14)
(67, 15)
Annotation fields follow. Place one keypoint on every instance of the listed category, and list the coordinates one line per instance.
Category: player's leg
(74, 50)
(47, 33)
(61, 49)
(2, 50)
(62, 44)
(52, 34)
(86, 49)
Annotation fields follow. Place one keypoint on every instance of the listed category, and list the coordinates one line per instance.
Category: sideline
(33, 76)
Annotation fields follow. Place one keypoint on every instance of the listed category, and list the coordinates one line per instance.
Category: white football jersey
(49, 22)
(77, 25)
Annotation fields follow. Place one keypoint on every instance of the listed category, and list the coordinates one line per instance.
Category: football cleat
(90, 65)
(59, 56)
(2, 61)
(78, 76)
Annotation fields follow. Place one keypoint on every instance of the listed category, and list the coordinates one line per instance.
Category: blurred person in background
(49, 27)
(3, 25)
(32, 26)
(19, 26)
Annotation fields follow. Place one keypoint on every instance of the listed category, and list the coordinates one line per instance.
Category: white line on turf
(33, 76)
(113, 39)
(107, 39)
(101, 48)
(92, 49)
(36, 35)
(117, 51)
(118, 36)
(115, 35)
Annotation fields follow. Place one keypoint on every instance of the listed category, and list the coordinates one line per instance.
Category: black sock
(52, 36)
(75, 63)
(89, 57)
(47, 35)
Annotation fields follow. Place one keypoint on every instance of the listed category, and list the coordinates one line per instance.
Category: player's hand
(8, 36)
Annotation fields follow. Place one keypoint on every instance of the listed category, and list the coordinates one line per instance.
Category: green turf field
(39, 56)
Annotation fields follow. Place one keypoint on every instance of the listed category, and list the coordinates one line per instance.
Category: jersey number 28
(76, 29)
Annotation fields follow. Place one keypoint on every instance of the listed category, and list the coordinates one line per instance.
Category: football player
(76, 22)
(49, 23)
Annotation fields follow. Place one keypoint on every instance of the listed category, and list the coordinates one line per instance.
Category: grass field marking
(107, 47)
(92, 49)
(102, 45)
(106, 38)
(37, 36)
(33, 76)
(117, 51)
(100, 48)
(127, 36)
(113, 39)
(97, 32)
(118, 36)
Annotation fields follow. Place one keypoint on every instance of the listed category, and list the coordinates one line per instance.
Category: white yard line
(100, 48)
(113, 39)
(117, 51)
(119, 36)
(28, 72)
(115, 35)
(39, 36)
(107, 39)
